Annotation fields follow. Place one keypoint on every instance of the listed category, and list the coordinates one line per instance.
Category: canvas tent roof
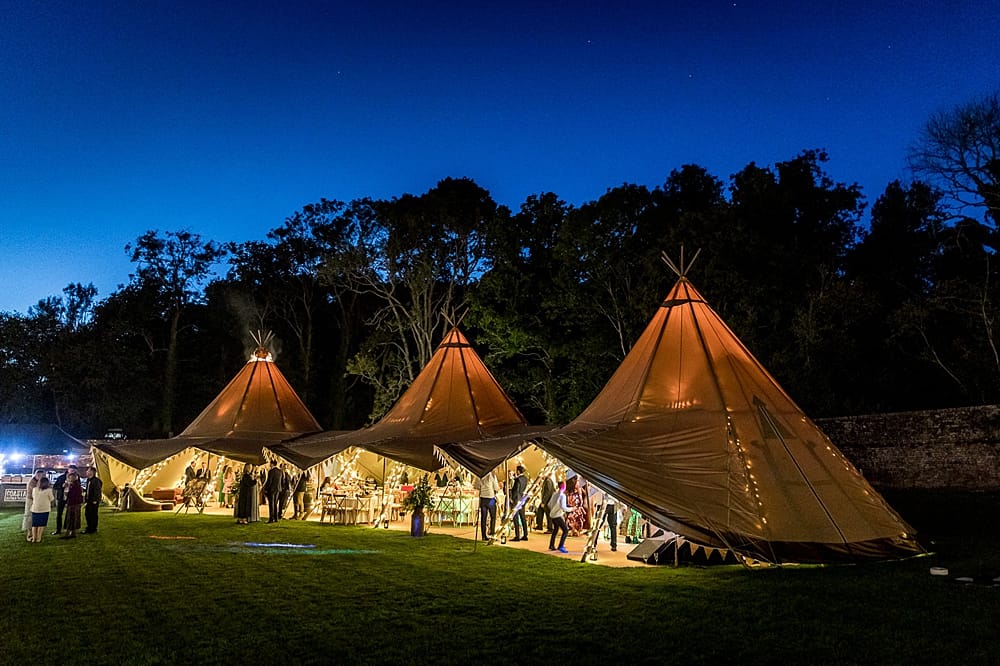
(258, 407)
(454, 398)
(480, 457)
(258, 403)
(693, 432)
(141, 453)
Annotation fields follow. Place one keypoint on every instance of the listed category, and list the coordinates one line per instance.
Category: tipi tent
(258, 407)
(454, 398)
(693, 432)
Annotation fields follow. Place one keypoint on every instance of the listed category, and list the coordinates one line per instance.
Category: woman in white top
(32, 484)
(41, 503)
(558, 507)
(489, 488)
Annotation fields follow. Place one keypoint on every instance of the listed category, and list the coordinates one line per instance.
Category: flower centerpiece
(418, 500)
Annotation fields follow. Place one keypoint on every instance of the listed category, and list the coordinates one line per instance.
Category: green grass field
(363, 595)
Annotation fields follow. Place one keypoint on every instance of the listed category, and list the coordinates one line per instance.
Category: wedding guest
(611, 515)
(41, 504)
(542, 519)
(93, 499)
(286, 490)
(272, 488)
(576, 517)
(227, 491)
(300, 496)
(32, 485)
(74, 500)
(246, 497)
(489, 488)
(517, 489)
(59, 488)
(557, 509)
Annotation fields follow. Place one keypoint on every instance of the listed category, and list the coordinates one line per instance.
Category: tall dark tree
(959, 150)
(23, 395)
(515, 309)
(175, 265)
(282, 278)
(573, 288)
(793, 227)
(425, 254)
(300, 283)
(52, 369)
(127, 371)
(889, 272)
(955, 327)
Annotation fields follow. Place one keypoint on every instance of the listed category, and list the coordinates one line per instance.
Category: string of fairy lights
(147, 474)
(751, 486)
(348, 467)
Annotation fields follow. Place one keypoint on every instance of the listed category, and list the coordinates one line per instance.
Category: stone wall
(946, 448)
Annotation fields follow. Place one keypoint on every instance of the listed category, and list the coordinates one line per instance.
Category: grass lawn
(365, 595)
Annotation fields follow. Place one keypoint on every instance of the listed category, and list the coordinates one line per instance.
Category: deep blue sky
(226, 117)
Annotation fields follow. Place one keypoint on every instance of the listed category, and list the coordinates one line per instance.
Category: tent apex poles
(680, 268)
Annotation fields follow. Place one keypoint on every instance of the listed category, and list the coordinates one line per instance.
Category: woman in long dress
(226, 479)
(246, 510)
(576, 517)
(74, 501)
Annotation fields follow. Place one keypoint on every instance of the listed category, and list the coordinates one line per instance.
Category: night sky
(225, 118)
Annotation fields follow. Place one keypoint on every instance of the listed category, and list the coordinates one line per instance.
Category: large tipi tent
(258, 407)
(693, 432)
(454, 398)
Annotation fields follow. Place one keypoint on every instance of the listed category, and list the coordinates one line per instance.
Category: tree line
(850, 319)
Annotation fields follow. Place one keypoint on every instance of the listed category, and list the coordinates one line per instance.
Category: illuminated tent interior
(454, 398)
(695, 434)
(257, 408)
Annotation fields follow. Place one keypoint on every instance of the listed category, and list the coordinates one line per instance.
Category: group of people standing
(490, 492)
(279, 485)
(564, 509)
(69, 497)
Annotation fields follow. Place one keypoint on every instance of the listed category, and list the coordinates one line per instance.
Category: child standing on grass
(41, 504)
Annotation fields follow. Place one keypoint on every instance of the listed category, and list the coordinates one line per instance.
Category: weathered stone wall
(946, 448)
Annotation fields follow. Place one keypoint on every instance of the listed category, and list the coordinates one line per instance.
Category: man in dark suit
(92, 500)
(286, 490)
(517, 489)
(59, 490)
(272, 488)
